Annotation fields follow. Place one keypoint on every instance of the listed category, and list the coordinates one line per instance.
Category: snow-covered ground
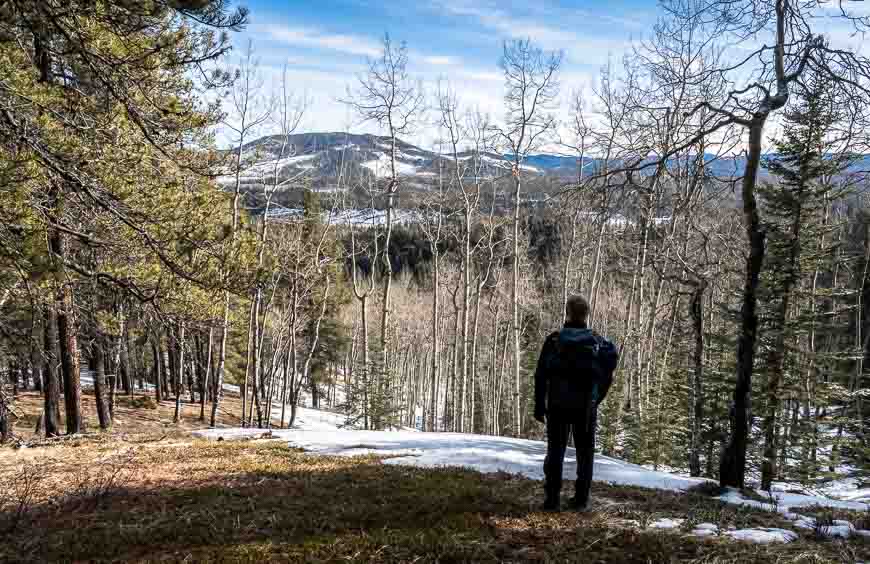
(785, 502)
(320, 432)
(848, 489)
(483, 453)
(86, 379)
(363, 217)
(307, 419)
(323, 432)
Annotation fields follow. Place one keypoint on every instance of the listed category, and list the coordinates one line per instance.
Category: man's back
(574, 370)
(574, 373)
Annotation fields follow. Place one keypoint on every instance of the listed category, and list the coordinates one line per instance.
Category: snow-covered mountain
(326, 155)
(323, 156)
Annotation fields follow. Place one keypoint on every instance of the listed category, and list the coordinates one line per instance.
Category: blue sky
(325, 43)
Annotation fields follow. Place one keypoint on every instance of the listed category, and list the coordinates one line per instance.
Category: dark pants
(559, 424)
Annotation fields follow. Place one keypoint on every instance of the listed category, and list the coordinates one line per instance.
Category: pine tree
(794, 209)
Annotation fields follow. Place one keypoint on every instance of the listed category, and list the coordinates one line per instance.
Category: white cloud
(481, 75)
(580, 47)
(315, 38)
(335, 59)
(439, 60)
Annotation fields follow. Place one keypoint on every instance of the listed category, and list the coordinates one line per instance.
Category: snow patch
(786, 501)
(667, 523)
(479, 452)
(705, 530)
(763, 536)
(319, 432)
(839, 529)
(382, 169)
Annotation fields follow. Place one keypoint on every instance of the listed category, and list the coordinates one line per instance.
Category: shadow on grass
(271, 503)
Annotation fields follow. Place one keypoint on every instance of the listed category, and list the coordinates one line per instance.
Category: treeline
(740, 305)
(110, 244)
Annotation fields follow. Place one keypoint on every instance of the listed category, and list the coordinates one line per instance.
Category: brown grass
(148, 491)
(192, 500)
(131, 415)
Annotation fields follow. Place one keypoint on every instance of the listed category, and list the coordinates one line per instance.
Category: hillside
(154, 492)
(321, 156)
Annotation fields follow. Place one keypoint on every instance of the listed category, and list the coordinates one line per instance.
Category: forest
(140, 258)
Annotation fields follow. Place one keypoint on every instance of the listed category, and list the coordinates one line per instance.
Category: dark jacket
(575, 370)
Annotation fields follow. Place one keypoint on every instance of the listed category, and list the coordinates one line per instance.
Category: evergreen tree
(805, 165)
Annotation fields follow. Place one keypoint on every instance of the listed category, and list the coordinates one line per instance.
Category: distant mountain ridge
(325, 154)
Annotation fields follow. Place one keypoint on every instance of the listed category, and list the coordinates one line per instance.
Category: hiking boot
(578, 506)
(551, 504)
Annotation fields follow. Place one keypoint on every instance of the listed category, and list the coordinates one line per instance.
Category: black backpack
(577, 373)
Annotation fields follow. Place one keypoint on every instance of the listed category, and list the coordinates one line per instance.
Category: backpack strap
(555, 348)
(554, 341)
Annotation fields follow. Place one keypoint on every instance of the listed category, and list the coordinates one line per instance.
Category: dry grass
(191, 500)
(137, 415)
(147, 491)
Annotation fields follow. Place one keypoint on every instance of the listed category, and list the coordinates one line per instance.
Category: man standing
(574, 373)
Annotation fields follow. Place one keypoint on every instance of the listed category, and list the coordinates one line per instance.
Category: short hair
(577, 309)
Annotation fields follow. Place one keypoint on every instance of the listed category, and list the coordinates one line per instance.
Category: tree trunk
(249, 350)
(566, 273)
(179, 373)
(466, 298)
(292, 413)
(124, 364)
(222, 360)
(366, 363)
(255, 354)
(696, 307)
(732, 467)
(158, 373)
(203, 390)
(69, 357)
(5, 427)
(51, 386)
(515, 303)
(284, 386)
(170, 360)
(36, 347)
(436, 345)
(98, 358)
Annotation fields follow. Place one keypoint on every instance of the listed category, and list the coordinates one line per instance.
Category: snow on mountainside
(326, 154)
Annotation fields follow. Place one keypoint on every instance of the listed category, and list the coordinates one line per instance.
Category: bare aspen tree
(248, 116)
(432, 224)
(478, 129)
(459, 131)
(531, 88)
(757, 84)
(579, 144)
(362, 290)
(389, 97)
(613, 113)
(286, 112)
